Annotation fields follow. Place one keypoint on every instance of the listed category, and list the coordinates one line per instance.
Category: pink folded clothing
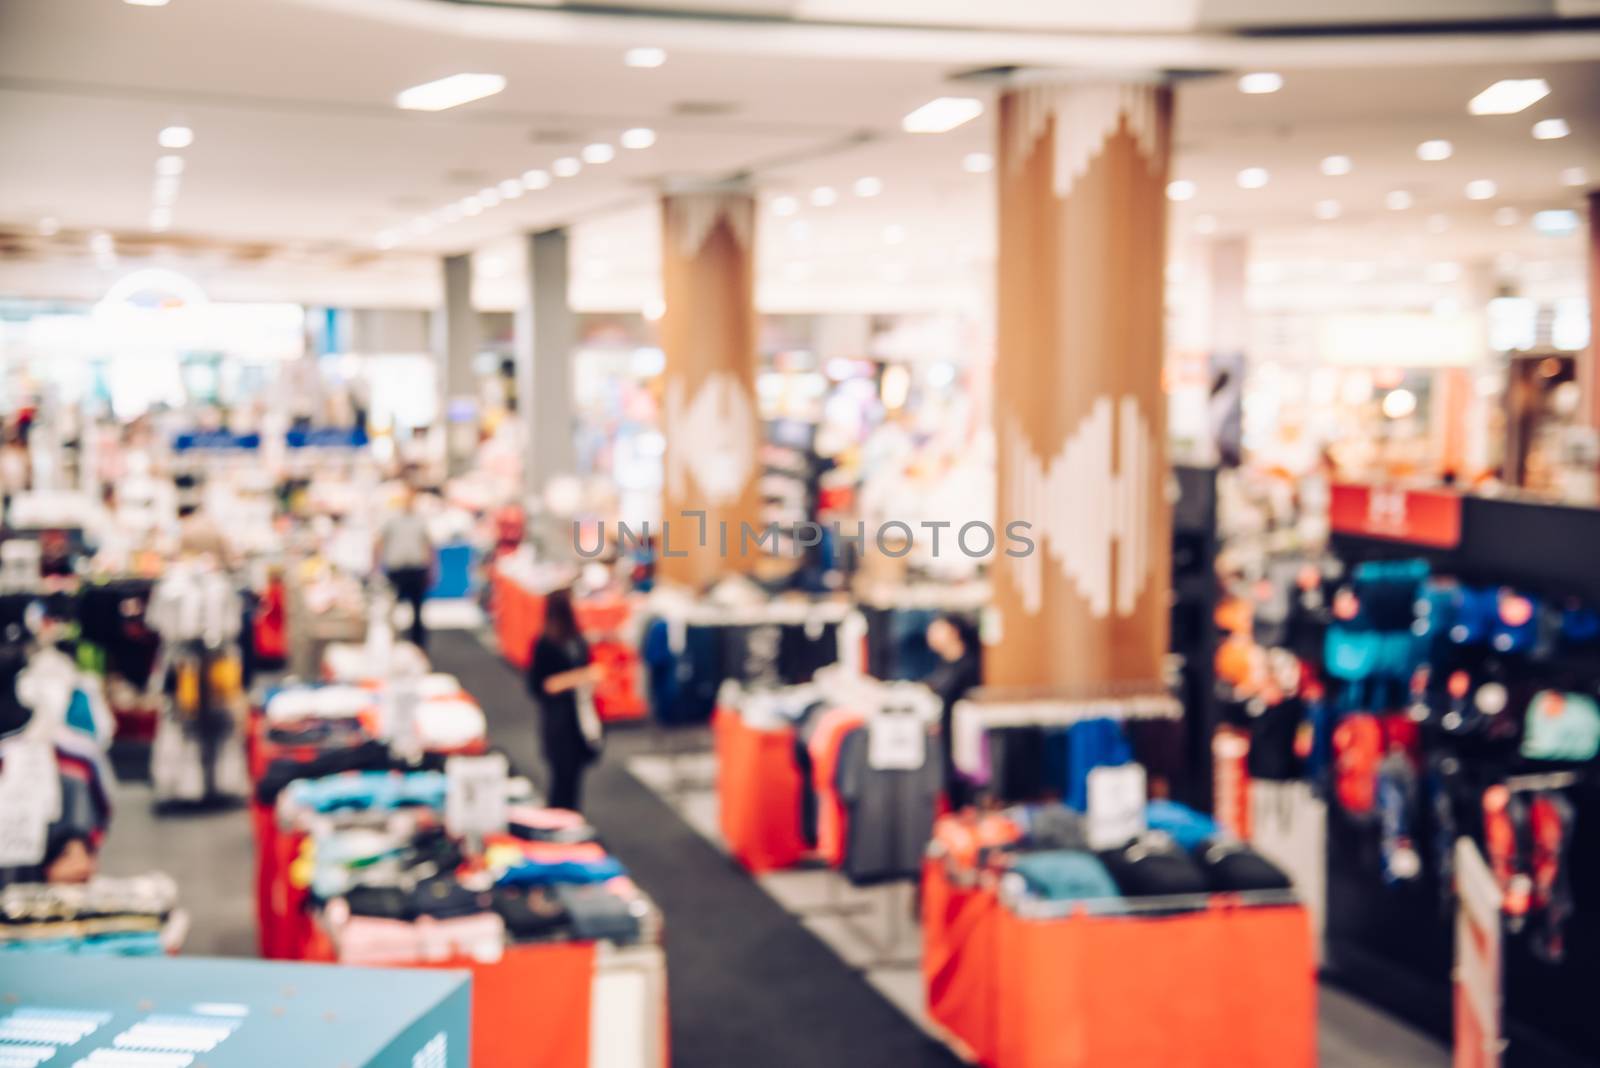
(368, 940)
(480, 938)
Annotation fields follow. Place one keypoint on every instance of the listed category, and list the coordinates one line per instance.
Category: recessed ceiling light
(1260, 82)
(977, 163)
(566, 167)
(1205, 224)
(1434, 151)
(471, 206)
(535, 179)
(510, 189)
(146, 3)
(451, 213)
(169, 165)
(1481, 189)
(785, 205)
(1326, 210)
(942, 114)
(166, 189)
(1551, 129)
(823, 196)
(1252, 178)
(489, 196)
(1557, 222)
(1180, 189)
(868, 187)
(599, 152)
(894, 234)
(422, 224)
(1397, 200)
(1509, 96)
(49, 226)
(175, 137)
(1574, 176)
(1438, 223)
(638, 137)
(450, 92)
(1507, 216)
(1334, 166)
(645, 57)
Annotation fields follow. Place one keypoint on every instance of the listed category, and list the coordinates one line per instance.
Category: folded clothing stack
(120, 916)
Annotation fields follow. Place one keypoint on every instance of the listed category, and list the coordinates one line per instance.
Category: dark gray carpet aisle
(747, 984)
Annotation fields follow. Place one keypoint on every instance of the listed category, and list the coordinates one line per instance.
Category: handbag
(589, 719)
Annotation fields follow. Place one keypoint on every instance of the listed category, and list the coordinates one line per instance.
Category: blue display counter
(56, 1012)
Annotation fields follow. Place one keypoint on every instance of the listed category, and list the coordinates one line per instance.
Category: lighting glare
(868, 187)
(824, 196)
(644, 57)
(785, 205)
(471, 206)
(450, 92)
(1326, 210)
(146, 3)
(638, 137)
(1481, 189)
(1399, 403)
(942, 114)
(1397, 200)
(175, 137)
(566, 167)
(1558, 222)
(1180, 189)
(1336, 166)
(535, 179)
(1434, 151)
(489, 196)
(1550, 129)
(169, 165)
(510, 189)
(1252, 178)
(599, 152)
(1260, 82)
(1509, 96)
(977, 163)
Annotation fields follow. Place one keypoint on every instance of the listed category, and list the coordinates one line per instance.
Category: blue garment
(1065, 875)
(366, 790)
(570, 872)
(1092, 743)
(1186, 826)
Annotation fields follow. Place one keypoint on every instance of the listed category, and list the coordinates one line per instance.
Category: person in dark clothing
(959, 669)
(558, 667)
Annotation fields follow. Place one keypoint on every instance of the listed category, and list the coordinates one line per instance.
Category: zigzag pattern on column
(1079, 508)
(711, 438)
(1085, 117)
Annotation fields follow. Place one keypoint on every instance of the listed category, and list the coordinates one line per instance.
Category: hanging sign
(475, 794)
(1421, 517)
(1116, 805)
(328, 437)
(215, 441)
(896, 741)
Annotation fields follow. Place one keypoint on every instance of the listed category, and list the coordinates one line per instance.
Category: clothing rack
(1134, 701)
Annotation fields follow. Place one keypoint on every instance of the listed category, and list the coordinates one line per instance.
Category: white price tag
(30, 800)
(1116, 805)
(475, 794)
(896, 741)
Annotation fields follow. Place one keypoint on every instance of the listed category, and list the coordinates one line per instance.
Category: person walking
(405, 553)
(558, 669)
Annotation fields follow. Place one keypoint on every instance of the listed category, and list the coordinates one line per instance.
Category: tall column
(457, 344)
(1226, 279)
(1589, 374)
(546, 332)
(1080, 416)
(709, 418)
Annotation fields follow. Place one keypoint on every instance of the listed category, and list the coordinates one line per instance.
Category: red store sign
(1421, 517)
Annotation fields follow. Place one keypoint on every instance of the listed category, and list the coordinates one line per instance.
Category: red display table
(758, 793)
(1229, 984)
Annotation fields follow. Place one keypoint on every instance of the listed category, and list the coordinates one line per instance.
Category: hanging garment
(1561, 726)
(1092, 743)
(826, 736)
(889, 811)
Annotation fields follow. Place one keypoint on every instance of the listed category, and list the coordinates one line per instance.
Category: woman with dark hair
(959, 669)
(558, 668)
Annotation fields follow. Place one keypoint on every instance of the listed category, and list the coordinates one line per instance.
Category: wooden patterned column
(1589, 362)
(709, 416)
(1080, 415)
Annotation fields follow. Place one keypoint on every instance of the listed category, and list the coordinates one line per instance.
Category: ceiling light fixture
(1550, 129)
(489, 197)
(146, 3)
(566, 167)
(785, 205)
(824, 196)
(1336, 166)
(1326, 210)
(868, 187)
(1252, 178)
(471, 206)
(1435, 151)
(644, 58)
(1397, 200)
(1509, 96)
(977, 163)
(175, 137)
(169, 165)
(450, 92)
(942, 114)
(535, 179)
(1574, 176)
(599, 152)
(1260, 82)
(638, 137)
(1481, 189)
(1557, 222)
(166, 189)
(1180, 189)
(510, 189)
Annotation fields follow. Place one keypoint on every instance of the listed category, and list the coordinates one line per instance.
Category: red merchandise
(1357, 749)
(758, 793)
(831, 728)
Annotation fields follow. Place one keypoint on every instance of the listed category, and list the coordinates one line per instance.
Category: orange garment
(958, 961)
(758, 793)
(824, 748)
(965, 834)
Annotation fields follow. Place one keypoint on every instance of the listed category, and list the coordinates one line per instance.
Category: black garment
(411, 586)
(566, 751)
(1154, 866)
(950, 680)
(1233, 866)
(890, 812)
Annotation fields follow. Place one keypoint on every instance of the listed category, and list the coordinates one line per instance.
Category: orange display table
(758, 793)
(1229, 984)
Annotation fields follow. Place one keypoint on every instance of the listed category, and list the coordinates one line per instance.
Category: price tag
(896, 741)
(475, 794)
(1116, 805)
(30, 800)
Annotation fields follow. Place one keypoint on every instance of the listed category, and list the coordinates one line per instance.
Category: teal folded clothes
(119, 944)
(368, 790)
(1066, 875)
(559, 872)
(1186, 826)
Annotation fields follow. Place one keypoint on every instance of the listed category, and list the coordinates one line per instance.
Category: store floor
(796, 968)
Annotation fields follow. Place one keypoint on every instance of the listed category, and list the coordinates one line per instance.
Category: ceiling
(301, 165)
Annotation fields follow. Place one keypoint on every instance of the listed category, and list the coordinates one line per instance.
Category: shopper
(405, 553)
(558, 674)
(955, 639)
